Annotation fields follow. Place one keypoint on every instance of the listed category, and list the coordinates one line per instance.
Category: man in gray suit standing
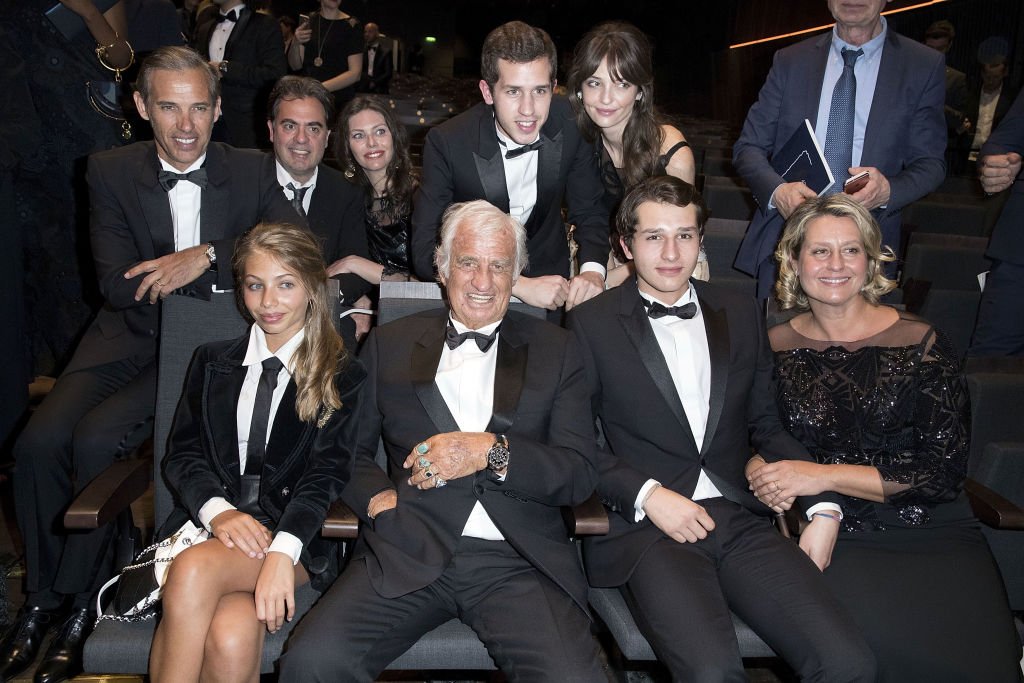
(875, 99)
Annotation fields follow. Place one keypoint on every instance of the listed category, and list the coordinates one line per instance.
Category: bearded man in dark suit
(483, 416)
(164, 217)
(681, 375)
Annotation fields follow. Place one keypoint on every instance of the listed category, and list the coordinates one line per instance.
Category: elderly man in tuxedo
(483, 416)
(164, 216)
(875, 99)
(681, 375)
(520, 150)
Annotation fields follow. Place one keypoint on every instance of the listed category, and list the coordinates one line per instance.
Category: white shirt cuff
(211, 509)
(288, 544)
(771, 200)
(642, 497)
(594, 267)
(824, 507)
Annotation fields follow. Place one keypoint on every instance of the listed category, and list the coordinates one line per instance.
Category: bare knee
(190, 578)
(233, 647)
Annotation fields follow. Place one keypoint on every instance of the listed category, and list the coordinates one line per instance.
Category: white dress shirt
(258, 352)
(221, 32)
(284, 178)
(465, 378)
(986, 114)
(185, 200)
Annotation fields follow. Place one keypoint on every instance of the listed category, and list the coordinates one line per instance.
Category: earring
(350, 172)
(579, 95)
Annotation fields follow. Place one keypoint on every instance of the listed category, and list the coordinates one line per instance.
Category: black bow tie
(656, 310)
(168, 179)
(454, 340)
(230, 16)
(520, 151)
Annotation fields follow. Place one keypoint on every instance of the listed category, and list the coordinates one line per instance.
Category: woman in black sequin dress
(373, 149)
(878, 397)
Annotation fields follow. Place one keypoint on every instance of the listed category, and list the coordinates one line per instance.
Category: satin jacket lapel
(156, 207)
(489, 166)
(509, 377)
(716, 327)
(224, 384)
(548, 170)
(815, 75)
(426, 353)
(215, 203)
(285, 435)
(635, 323)
(881, 107)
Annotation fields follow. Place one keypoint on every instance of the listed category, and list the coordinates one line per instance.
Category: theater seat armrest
(109, 494)
(992, 508)
(341, 522)
(589, 518)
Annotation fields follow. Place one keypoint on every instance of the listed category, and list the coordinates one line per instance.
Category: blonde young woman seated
(878, 397)
(283, 395)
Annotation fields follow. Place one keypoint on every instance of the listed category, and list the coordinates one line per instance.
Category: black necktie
(230, 16)
(454, 340)
(656, 310)
(520, 151)
(168, 179)
(257, 446)
(298, 193)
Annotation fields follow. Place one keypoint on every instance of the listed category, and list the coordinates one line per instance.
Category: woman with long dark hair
(611, 86)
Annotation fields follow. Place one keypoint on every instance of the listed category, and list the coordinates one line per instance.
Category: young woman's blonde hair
(787, 285)
(322, 352)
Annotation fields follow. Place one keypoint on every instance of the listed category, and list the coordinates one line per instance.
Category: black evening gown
(915, 571)
(387, 235)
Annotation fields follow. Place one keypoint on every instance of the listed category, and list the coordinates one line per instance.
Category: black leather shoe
(63, 659)
(21, 645)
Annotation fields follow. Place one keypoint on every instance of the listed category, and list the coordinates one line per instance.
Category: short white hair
(485, 219)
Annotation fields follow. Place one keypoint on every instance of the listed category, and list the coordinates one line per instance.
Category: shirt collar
(283, 177)
(258, 351)
(871, 48)
(462, 329)
(198, 163)
(236, 10)
(690, 295)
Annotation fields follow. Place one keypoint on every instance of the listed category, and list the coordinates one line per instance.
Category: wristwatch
(222, 67)
(497, 456)
(211, 254)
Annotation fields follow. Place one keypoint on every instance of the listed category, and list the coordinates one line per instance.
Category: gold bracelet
(101, 55)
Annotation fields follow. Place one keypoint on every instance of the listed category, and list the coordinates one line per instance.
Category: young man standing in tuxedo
(681, 374)
(520, 150)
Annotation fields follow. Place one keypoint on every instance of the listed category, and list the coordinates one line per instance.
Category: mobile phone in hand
(856, 183)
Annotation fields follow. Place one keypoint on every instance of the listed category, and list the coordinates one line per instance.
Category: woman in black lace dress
(373, 149)
(612, 86)
(877, 395)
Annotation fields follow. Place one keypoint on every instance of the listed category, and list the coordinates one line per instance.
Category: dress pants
(532, 629)
(681, 594)
(1000, 327)
(90, 418)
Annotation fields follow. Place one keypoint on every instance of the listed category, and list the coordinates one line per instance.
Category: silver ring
(428, 474)
(439, 482)
(423, 463)
(422, 448)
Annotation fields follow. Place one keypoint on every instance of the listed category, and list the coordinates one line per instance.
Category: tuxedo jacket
(130, 222)
(646, 433)
(306, 463)
(540, 403)
(462, 161)
(383, 69)
(337, 217)
(905, 135)
(1007, 243)
(256, 59)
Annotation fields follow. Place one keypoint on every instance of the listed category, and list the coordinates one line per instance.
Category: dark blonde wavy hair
(321, 353)
(628, 52)
(788, 291)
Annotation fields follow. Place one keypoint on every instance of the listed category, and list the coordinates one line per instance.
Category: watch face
(497, 457)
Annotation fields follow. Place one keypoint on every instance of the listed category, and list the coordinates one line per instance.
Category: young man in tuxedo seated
(484, 418)
(300, 111)
(681, 375)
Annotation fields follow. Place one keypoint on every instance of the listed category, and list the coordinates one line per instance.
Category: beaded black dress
(915, 570)
(387, 235)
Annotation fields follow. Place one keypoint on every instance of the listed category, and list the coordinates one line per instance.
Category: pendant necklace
(319, 61)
